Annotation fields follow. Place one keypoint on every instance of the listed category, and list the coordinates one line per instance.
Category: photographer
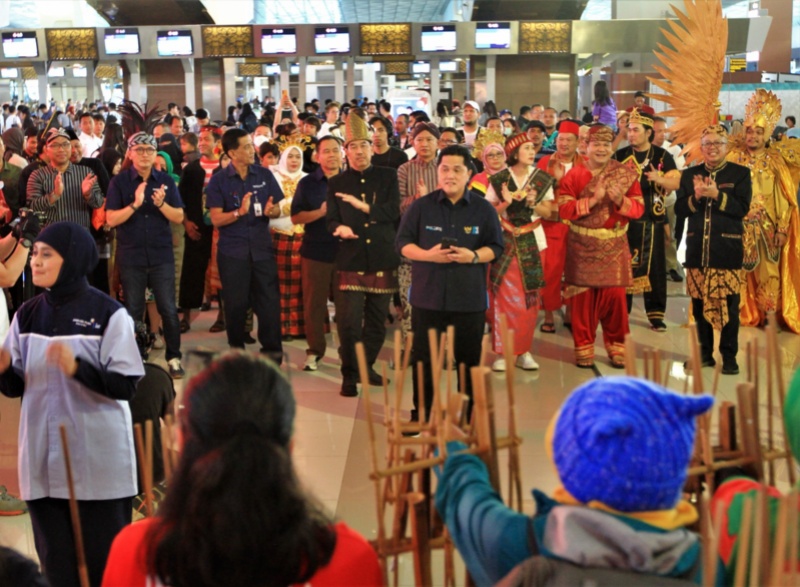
(14, 249)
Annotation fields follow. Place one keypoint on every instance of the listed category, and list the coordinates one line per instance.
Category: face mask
(507, 131)
(259, 140)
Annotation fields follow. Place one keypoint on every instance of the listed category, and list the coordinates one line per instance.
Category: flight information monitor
(332, 39)
(493, 35)
(448, 66)
(420, 67)
(20, 44)
(9, 73)
(174, 43)
(278, 40)
(55, 72)
(439, 37)
(121, 41)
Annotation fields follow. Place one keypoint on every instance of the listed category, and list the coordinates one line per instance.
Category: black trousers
(360, 317)
(196, 255)
(729, 337)
(468, 337)
(101, 521)
(655, 300)
(247, 283)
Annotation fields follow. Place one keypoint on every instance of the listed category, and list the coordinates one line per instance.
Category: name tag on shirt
(257, 208)
(434, 228)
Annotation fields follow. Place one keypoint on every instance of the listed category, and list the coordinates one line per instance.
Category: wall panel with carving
(71, 44)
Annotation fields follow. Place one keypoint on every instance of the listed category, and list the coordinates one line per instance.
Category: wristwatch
(475, 258)
(26, 242)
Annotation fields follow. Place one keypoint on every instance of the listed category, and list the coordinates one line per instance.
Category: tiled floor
(331, 444)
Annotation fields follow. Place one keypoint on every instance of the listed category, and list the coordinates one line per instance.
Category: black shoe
(658, 325)
(374, 377)
(704, 363)
(730, 367)
(205, 307)
(675, 276)
(413, 420)
(288, 338)
(349, 389)
(248, 338)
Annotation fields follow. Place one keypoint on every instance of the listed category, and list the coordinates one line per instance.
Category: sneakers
(312, 363)
(730, 367)
(158, 342)
(710, 362)
(175, 369)
(526, 362)
(499, 365)
(10, 505)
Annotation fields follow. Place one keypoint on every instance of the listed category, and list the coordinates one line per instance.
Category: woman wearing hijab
(286, 241)
(71, 356)
(491, 148)
(247, 118)
(14, 140)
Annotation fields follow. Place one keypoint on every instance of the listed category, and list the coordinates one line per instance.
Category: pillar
(189, 77)
(491, 76)
(351, 78)
(338, 79)
(301, 84)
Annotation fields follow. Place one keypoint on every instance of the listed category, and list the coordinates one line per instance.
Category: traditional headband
(637, 117)
(55, 133)
(142, 138)
(515, 142)
(714, 129)
(600, 133)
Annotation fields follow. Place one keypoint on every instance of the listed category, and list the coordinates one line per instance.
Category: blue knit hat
(626, 443)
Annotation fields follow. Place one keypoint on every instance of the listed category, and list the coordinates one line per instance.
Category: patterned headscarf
(142, 138)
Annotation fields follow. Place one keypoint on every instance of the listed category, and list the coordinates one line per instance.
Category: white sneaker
(312, 363)
(499, 365)
(158, 342)
(527, 362)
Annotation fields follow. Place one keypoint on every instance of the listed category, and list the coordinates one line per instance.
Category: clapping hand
(60, 355)
(353, 201)
(86, 185)
(422, 189)
(159, 194)
(58, 185)
(705, 187)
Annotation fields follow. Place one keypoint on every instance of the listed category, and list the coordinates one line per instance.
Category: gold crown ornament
(763, 110)
(302, 142)
(637, 117)
(486, 138)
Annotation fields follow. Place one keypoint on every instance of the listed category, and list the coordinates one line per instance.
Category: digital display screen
(121, 41)
(493, 35)
(9, 73)
(283, 40)
(174, 43)
(20, 44)
(420, 68)
(55, 72)
(294, 69)
(439, 37)
(332, 39)
(272, 69)
(448, 66)
(79, 72)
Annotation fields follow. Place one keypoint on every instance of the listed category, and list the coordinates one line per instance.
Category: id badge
(257, 209)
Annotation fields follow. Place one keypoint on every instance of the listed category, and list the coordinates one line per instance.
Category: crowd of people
(449, 219)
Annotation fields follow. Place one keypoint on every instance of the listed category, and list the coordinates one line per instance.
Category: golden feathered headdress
(637, 117)
(302, 142)
(764, 110)
(692, 69)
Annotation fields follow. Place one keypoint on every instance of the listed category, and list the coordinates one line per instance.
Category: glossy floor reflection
(332, 444)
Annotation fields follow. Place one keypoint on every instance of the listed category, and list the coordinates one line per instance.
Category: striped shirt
(70, 206)
(408, 174)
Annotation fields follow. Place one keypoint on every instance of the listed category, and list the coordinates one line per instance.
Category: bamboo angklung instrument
(77, 533)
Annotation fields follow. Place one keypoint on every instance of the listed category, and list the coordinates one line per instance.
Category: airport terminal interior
(416, 54)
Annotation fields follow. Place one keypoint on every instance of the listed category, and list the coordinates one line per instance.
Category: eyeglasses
(61, 146)
(714, 144)
(494, 154)
(144, 150)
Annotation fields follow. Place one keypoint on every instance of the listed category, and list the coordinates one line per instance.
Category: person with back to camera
(71, 355)
(235, 514)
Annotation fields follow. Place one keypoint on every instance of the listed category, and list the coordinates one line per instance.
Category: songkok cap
(568, 127)
(515, 142)
(356, 129)
(472, 104)
(536, 124)
(142, 138)
(55, 133)
(639, 118)
(421, 127)
(600, 133)
(626, 443)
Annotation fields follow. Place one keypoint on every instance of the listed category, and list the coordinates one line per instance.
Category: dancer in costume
(658, 176)
(715, 196)
(771, 241)
(599, 199)
(490, 147)
(558, 165)
(287, 238)
(522, 196)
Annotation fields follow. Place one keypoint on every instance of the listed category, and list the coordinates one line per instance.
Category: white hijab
(282, 169)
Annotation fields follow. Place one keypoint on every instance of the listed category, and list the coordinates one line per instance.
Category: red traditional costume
(598, 268)
(555, 229)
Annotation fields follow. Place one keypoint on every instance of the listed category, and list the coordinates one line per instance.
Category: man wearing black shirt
(383, 154)
(450, 235)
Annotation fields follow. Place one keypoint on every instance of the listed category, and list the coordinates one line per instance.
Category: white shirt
(538, 232)
(89, 144)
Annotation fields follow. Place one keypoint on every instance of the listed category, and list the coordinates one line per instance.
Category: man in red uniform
(558, 165)
(599, 199)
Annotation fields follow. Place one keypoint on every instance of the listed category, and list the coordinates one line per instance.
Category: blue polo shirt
(473, 222)
(249, 236)
(145, 239)
(318, 243)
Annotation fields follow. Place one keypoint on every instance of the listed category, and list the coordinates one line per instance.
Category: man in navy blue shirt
(450, 236)
(242, 198)
(141, 203)
(318, 251)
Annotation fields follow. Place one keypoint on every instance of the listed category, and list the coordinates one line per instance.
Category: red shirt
(354, 561)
